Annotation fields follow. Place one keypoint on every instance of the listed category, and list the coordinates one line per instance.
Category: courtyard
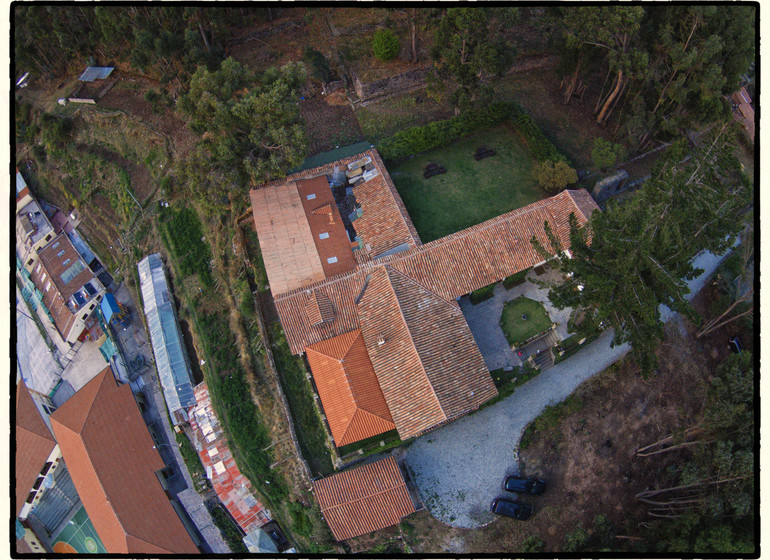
(470, 191)
(523, 318)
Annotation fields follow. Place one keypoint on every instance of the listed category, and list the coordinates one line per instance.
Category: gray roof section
(20, 183)
(167, 344)
(95, 73)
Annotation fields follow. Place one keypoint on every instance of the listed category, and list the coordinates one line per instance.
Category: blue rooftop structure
(166, 337)
(109, 307)
(95, 73)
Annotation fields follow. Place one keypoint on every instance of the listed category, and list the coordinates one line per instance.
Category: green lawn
(516, 329)
(470, 191)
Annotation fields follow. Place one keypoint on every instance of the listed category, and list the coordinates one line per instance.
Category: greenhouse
(166, 337)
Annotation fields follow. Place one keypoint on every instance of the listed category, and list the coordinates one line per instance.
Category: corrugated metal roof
(95, 73)
(170, 356)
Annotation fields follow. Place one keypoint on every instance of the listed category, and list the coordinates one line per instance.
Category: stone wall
(392, 84)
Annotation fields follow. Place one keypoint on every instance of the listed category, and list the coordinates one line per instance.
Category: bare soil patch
(328, 125)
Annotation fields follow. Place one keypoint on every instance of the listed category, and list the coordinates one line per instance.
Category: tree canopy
(634, 257)
(250, 128)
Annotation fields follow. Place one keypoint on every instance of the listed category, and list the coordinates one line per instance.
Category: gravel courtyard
(459, 469)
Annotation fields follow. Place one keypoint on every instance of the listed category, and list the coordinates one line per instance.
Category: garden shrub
(554, 176)
(515, 279)
(385, 44)
(482, 294)
(605, 154)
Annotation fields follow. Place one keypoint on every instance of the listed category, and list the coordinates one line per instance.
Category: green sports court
(78, 536)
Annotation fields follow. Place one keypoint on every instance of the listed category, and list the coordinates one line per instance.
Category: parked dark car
(735, 345)
(516, 510)
(522, 485)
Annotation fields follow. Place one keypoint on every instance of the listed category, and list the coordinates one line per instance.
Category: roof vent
(380, 340)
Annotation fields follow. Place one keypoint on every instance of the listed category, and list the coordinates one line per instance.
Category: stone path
(484, 319)
(459, 468)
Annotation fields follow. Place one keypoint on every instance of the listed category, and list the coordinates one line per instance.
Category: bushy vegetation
(440, 133)
(191, 459)
(319, 66)
(515, 279)
(191, 252)
(482, 294)
(554, 176)
(385, 45)
(228, 528)
(308, 427)
(605, 154)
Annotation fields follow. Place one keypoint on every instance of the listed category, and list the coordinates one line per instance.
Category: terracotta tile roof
(288, 249)
(319, 308)
(112, 461)
(232, 487)
(363, 499)
(384, 224)
(324, 218)
(350, 393)
(448, 267)
(34, 444)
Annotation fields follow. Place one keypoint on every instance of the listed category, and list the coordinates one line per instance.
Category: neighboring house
(168, 348)
(232, 488)
(745, 112)
(69, 289)
(33, 229)
(401, 297)
(363, 499)
(92, 86)
(114, 466)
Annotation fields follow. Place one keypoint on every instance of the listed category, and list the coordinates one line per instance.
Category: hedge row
(515, 279)
(441, 133)
(482, 294)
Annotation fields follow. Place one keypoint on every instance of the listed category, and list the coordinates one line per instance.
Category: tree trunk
(601, 93)
(203, 34)
(723, 323)
(603, 114)
(571, 85)
(413, 35)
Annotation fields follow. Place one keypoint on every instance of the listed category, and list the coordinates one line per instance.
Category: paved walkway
(459, 469)
(484, 319)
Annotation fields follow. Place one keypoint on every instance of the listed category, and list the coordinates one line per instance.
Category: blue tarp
(109, 307)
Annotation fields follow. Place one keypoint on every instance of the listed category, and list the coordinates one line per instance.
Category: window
(76, 268)
(55, 245)
(310, 196)
(91, 306)
(30, 261)
(47, 286)
(331, 260)
(60, 253)
(48, 237)
(323, 236)
(66, 262)
(38, 482)
(37, 270)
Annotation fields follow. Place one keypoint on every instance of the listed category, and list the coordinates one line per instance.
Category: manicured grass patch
(308, 427)
(470, 191)
(516, 329)
(372, 444)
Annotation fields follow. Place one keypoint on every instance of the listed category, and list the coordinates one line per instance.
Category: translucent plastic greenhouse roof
(167, 345)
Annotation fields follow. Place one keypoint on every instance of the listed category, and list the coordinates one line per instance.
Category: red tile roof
(347, 385)
(232, 487)
(384, 224)
(363, 499)
(112, 461)
(323, 217)
(34, 444)
(448, 267)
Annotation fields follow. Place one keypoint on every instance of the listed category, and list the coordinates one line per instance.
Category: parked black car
(516, 510)
(524, 485)
(735, 345)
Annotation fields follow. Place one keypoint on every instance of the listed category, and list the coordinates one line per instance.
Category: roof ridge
(405, 275)
(414, 346)
(388, 182)
(368, 496)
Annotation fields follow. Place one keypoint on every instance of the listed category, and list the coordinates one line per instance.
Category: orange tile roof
(448, 267)
(347, 385)
(324, 218)
(112, 461)
(34, 444)
(363, 499)
(232, 487)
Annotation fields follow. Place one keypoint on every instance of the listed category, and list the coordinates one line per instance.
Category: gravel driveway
(460, 468)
